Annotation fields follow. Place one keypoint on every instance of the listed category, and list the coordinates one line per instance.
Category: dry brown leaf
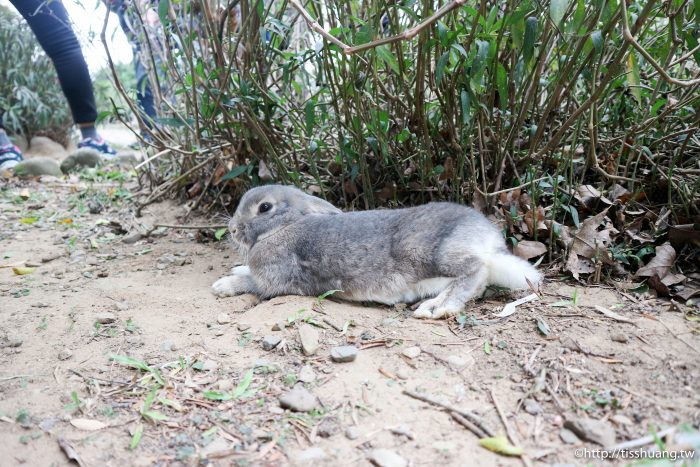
(527, 249)
(660, 264)
(612, 314)
(589, 242)
(87, 424)
(70, 451)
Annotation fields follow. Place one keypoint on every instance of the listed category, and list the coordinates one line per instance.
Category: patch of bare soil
(117, 353)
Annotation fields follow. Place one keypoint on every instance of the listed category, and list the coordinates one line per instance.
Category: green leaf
(529, 39)
(137, 436)
(633, 80)
(154, 415)
(501, 445)
(163, 6)
(440, 67)
(219, 234)
(23, 271)
(464, 97)
(310, 116)
(138, 364)
(487, 347)
(218, 395)
(385, 55)
(502, 85)
(234, 173)
(597, 40)
(243, 385)
(557, 10)
(28, 220)
(543, 327)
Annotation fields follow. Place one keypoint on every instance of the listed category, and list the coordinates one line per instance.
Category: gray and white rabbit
(297, 244)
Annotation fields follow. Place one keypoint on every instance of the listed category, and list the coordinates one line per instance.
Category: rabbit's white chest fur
(297, 244)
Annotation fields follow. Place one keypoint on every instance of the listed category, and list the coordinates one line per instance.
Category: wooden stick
(468, 415)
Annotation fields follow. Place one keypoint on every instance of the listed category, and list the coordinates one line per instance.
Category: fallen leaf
(70, 451)
(660, 264)
(23, 271)
(527, 249)
(87, 424)
(588, 243)
(543, 326)
(501, 445)
(28, 220)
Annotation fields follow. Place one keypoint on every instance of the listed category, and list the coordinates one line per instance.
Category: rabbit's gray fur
(305, 246)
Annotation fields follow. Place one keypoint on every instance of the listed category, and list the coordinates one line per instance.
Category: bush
(490, 95)
(30, 95)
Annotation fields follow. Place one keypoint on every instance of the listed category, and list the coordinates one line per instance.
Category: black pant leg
(51, 25)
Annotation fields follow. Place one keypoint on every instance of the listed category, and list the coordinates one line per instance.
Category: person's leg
(10, 154)
(50, 23)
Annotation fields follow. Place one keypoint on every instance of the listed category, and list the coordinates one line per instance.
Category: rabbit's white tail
(506, 270)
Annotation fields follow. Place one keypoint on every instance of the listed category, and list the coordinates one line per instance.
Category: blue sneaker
(10, 156)
(99, 145)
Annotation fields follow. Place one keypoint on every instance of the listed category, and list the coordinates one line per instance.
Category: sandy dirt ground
(117, 353)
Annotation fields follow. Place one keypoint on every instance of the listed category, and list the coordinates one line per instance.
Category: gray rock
(223, 318)
(81, 158)
(411, 352)
(306, 374)
(344, 353)
(218, 444)
(243, 326)
(45, 147)
(12, 340)
(403, 373)
(105, 317)
(270, 342)
(386, 458)
(328, 427)
(352, 432)
(619, 337)
(310, 455)
(38, 166)
(595, 431)
(456, 361)
(568, 436)
(167, 346)
(532, 407)
(309, 339)
(299, 399)
(65, 354)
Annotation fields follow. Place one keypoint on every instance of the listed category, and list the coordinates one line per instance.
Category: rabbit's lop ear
(308, 204)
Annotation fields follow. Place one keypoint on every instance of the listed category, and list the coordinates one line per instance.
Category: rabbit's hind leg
(452, 300)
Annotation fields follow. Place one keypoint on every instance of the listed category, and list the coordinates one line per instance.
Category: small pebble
(532, 407)
(12, 340)
(270, 342)
(308, 335)
(352, 432)
(328, 427)
(386, 458)
(344, 353)
(279, 326)
(209, 365)
(403, 373)
(223, 318)
(167, 346)
(105, 317)
(568, 436)
(307, 374)
(619, 337)
(65, 354)
(299, 399)
(456, 362)
(243, 326)
(411, 352)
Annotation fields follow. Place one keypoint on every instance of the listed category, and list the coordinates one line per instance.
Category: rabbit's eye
(264, 207)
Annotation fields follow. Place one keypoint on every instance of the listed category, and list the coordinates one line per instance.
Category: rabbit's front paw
(437, 308)
(229, 286)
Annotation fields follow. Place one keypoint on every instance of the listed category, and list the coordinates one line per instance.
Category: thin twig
(192, 227)
(512, 436)
(468, 415)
